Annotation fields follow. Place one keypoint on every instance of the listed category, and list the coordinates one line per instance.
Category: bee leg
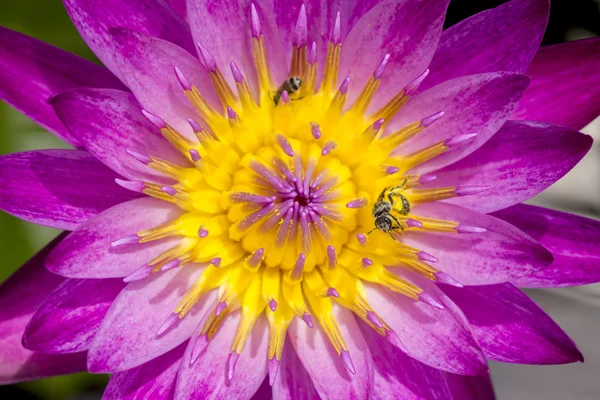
(398, 224)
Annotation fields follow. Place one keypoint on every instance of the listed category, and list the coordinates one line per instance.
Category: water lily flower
(296, 199)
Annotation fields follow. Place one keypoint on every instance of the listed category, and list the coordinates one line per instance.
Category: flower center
(281, 196)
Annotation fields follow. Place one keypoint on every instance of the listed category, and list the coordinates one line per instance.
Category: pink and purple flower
(295, 199)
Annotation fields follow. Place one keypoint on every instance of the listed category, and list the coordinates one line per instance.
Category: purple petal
(407, 30)
(472, 104)
(565, 85)
(32, 71)
(398, 376)
(152, 380)
(148, 65)
(510, 327)
(109, 123)
(94, 19)
(517, 163)
(57, 188)
(292, 381)
(501, 39)
(574, 242)
(128, 335)
(499, 254)
(264, 391)
(223, 28)
(439, 338)
(326, 369)
(20, 296)
(207, 376)
(179, 6)
(87, 252)
(470, 387)
(68, 319)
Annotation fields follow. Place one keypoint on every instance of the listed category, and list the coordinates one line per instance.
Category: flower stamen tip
(273, 370)
(381, 67)
(469, 229)
(423, 256)
(199, 346)
(307, 320)
(428, 299)
(255, 22)
(169, 190)
(394, 340)
(231, 362)
(413, 223)
(427, 121)
(273, 305)
(220, 308)
(143, 272)
(459, 139)
(144, 159)
(469, 190)
(155, 120)
(347, 360)
(315, 130)
(134, 186)
(195, 156)
(175, 263)
(300, 35)
(207, 59)
(202, 233)
(129, 239)
(183, 80)
(443, 277)
(374, 319)
(169, 322)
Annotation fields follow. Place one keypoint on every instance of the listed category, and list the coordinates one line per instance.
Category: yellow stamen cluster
(278, 200)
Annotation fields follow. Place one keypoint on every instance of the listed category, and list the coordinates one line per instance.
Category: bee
(390, 199)
(290, 85)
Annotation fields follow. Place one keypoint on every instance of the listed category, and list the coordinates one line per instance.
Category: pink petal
(398, 376)
(94, 20)
(475, 104)
(565, 85)
(68, 319)
(208, 20)
(441, 339)
(574, 242)
(128, 334)
(329, 375)
(32, 71)
(20, 296)
(153, 380)
(502, 253)
(293, 381)
(510, 327)
(57, 188)
(148, 65)
(407, 30)
(109, 123)
(207, 376)
(504, 38)
(521, 160)
(87, 252)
